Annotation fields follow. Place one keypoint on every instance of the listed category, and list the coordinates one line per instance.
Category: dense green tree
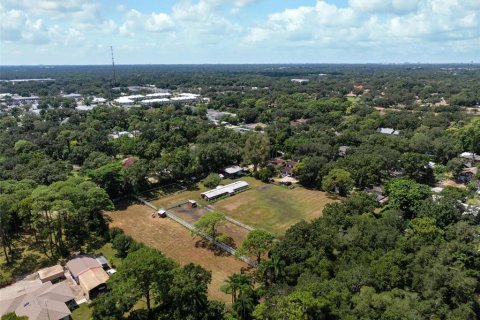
(407, 195)
(338, 181)
(188, 292)
(234, 283)
(148, 275)
(212, 180)
(257, 243)
(209, 222)
(256, 150)
(469, 136)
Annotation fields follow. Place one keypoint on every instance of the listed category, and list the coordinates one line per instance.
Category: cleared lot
(175, 242)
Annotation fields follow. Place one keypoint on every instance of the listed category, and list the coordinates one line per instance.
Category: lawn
(272, 207)
(194, 193)
(25, 260)
(108, 252)
(267, 206)
(191, 193)
(83, 312)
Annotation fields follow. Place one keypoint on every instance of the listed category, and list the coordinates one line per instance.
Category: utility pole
(113, 65)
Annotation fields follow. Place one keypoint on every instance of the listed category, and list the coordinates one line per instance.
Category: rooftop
(229, 188)
(36, 300)
(81, 264)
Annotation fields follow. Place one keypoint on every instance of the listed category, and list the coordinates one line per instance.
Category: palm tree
(234, 283)
(245, 302)
(272, 270)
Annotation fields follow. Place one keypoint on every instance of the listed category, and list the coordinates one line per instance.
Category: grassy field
(274, 208)
(83, 312)
(169, 200)
(176, 242)
(271, 207)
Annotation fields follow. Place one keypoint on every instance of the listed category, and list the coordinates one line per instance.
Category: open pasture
(191, 215)
(274, 208)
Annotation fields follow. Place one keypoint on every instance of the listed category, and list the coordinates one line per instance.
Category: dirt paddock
(191, 215)
(176, 242)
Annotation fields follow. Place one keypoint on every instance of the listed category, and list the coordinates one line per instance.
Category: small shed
(53, 274)
(233, 171)
(192, 203)
(162, 213)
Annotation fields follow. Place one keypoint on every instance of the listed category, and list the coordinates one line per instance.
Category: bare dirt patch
(175, 242)
(191, 215)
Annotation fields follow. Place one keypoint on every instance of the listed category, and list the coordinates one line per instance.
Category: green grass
(25, 260)
(267, 206)
(272, 207)
(108, 252)
(83, 312)
(194, 193)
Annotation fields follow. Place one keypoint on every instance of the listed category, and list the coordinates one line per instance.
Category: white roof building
(37, 300)
(185, 97)
(233, 169)
(158, 95)
(135, 97)
(299, 80)
(124, 101)
(72, 96)
(84, 108)
(119, 134)
(155, 101)
(221, 191)
(470, 156)
(388, 131)
(96, 100)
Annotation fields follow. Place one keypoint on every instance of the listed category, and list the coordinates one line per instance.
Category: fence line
(190, 227)
(178, 204)
(238, 223)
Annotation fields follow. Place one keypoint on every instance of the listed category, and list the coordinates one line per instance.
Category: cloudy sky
(239, 31)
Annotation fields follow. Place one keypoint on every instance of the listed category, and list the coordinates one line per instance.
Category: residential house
(54, 274)
(37, 301)
(467, 175)
(89, 274)
(388, 131)
(287, 170)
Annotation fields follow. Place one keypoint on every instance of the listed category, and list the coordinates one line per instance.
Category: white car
(111, 271)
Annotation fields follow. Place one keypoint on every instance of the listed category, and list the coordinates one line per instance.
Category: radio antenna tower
(113, 65)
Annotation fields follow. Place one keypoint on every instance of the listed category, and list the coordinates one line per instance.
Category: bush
(212, 180)
(264, 174)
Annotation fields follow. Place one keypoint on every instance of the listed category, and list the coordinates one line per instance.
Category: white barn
(221, 191)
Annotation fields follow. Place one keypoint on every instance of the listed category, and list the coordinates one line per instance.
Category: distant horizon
(80, 32)
(242, 64)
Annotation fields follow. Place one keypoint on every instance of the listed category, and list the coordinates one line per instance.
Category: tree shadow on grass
(30, 263)
(125, 203)
(210, 246)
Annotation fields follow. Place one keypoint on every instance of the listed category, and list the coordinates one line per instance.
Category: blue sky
(239, 31)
